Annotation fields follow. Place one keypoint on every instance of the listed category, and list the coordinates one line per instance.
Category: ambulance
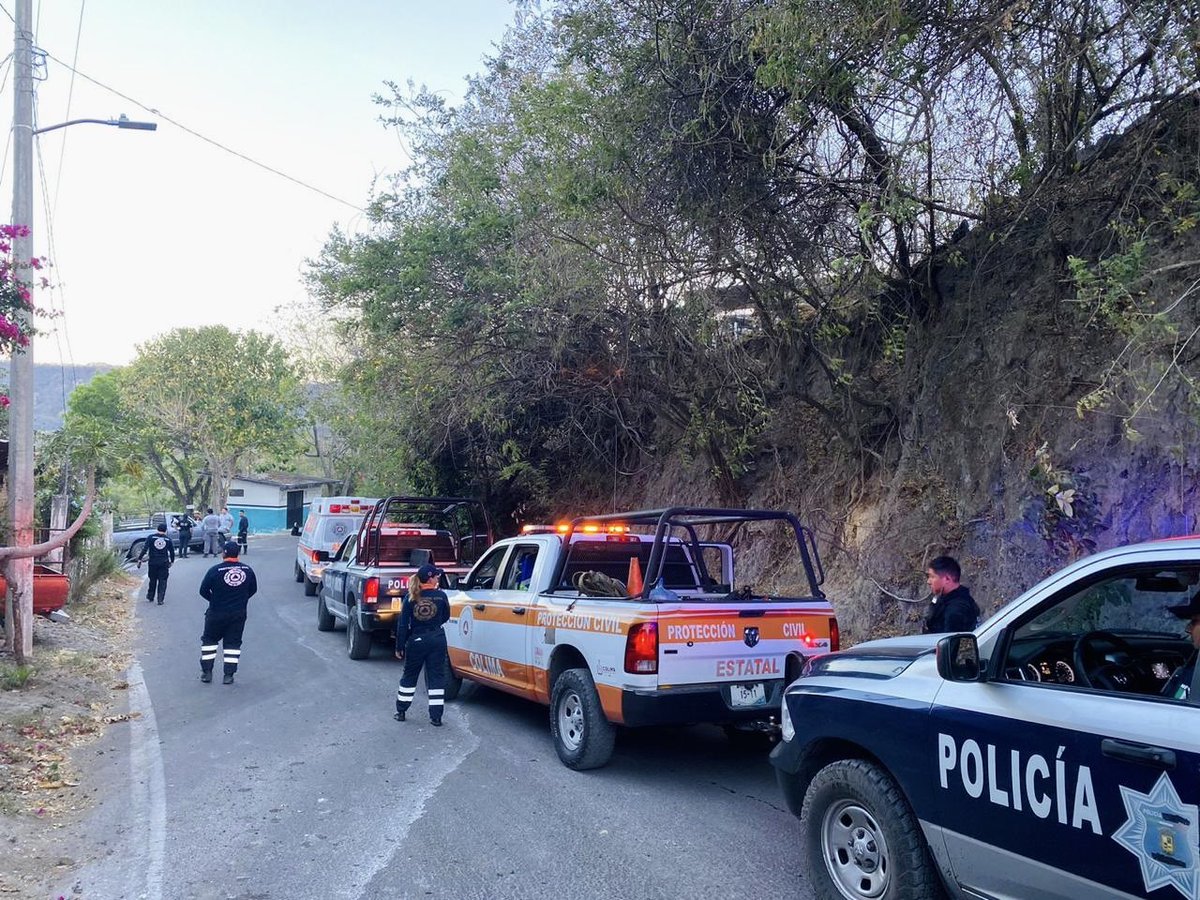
(643, 618)
(330, 521)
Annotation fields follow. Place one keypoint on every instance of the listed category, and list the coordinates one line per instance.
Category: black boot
(228, 679)
(399, 717)
(206, 677)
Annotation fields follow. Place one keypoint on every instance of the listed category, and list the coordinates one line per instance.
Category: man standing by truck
(186, 524)
(421, 642)
(228, 587)
(162, 554)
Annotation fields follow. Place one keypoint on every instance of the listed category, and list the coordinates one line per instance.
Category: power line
(209, 140)
(60, 331)
(62, 148)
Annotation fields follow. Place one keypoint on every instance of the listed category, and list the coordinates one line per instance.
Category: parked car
(364, 584)
(128, 538)
(566, 619)
(1053, 753)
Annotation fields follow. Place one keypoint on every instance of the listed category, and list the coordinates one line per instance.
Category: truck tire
(583, 737)
(860, 839)
(457, 687)
(310, 587)
(325, 620)
(134, 550)
(299, 573)
(358, 642)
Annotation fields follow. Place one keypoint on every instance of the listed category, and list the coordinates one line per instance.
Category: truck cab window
(483, 576)
(1117, 634)
(519, 574)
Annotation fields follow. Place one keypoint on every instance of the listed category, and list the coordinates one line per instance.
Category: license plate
(396, 604)
(747, 694)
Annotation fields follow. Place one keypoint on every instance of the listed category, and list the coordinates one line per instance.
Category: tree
(129, 444)
(216, 395)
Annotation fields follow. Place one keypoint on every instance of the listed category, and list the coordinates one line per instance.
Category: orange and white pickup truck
(684, 635)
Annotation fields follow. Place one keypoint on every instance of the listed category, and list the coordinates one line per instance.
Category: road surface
(295, 782)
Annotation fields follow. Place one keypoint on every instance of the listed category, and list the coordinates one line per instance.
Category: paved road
(296, 783)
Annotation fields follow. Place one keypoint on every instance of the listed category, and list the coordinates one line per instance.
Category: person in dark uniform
(1180, 684)
(186, 524)
(243, 531)
(421, 642)
(228, 587)
(953, 609)
(162, 554)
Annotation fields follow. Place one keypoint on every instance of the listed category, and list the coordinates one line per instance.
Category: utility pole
(19, 603)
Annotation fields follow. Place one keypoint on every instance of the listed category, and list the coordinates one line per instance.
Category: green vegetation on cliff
(925, 273)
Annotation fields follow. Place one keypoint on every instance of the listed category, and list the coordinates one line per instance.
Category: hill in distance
(52, 385)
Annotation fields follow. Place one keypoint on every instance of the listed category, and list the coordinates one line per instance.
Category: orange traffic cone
(634, 583)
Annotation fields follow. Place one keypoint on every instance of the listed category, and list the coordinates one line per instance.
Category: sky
(150, 231)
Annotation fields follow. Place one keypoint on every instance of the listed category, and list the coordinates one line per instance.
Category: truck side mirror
(322, 555)
(958, 658)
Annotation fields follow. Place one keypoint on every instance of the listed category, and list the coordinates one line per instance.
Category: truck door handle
(479, 606)
(518, 611)
(1144, 754)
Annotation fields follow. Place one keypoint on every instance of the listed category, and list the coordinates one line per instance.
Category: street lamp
(122, 122)
(19, 623)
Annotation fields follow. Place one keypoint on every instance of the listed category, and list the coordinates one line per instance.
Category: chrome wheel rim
(570, 721)
(855, 851)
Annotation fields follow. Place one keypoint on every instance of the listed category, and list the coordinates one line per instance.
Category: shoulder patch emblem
(235, 577)
(1162, 832)
(160, 543)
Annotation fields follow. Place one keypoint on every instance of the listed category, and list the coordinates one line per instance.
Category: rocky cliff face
(1050, 382)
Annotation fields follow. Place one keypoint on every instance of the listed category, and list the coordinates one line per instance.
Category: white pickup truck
(685, 637)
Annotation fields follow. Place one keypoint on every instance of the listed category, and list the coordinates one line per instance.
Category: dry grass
(65, 701)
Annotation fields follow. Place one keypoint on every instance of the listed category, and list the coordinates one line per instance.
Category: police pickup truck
(608, 626)
(1052, 754)
(364, 582)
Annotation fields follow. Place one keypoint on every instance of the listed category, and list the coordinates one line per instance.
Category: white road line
(396, 828)
(148, 793)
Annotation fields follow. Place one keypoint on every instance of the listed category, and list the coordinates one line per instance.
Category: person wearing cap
(162, 554)
(186, 524)
(228, 587)
(1179, 685)
(421, 642)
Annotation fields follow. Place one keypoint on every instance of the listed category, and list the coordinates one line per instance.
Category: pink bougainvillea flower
(4, 401)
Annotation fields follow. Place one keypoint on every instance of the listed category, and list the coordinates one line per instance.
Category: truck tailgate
(745, 644)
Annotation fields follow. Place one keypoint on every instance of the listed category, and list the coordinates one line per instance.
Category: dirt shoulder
(74, 692)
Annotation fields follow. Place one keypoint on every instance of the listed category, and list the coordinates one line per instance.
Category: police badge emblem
(750, 635)
(1161, 831)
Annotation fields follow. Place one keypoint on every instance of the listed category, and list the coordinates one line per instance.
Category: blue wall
(264, 519)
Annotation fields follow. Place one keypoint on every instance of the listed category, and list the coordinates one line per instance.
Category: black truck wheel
(325, 618)
(583, 737)
(861, 840)
(358, 642)
(310, 587)
(457, 687)
(134, 550)
(299, 573)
